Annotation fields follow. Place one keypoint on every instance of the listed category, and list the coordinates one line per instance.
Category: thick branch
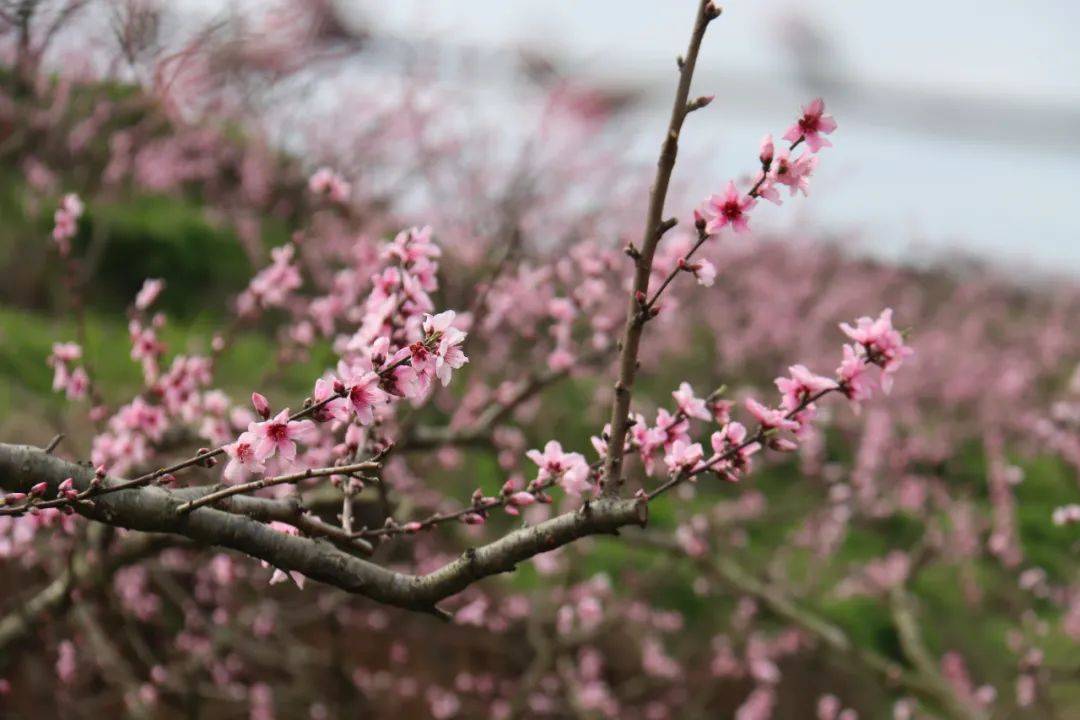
(154, 509)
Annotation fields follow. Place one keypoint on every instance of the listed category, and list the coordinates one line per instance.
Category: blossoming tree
(408, 373)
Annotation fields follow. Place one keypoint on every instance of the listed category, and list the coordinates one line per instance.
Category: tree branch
(643, 258)
(154, 509)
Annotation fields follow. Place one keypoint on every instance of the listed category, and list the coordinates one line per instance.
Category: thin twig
(272, 481)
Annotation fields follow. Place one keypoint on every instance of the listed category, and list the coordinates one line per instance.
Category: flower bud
(783, 445)
(39, 489)
(522, 499)
(766, 152)
(699, 220)
(262, 406)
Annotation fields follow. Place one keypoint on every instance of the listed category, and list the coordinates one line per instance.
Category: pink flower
(656, 662)
(402, 380)
(683, 456)
(570, 469)
(72, 205)
(1066, 515)
(724, 441)
(884, 345)
(327, 182)
(148, 293)
(66, 222)
(363, 392)
(279, 435)
(65, 662)
(795, 174)
(770, 418)
(689, 405)
(729, 208)
(801, 385)
(242, 460)
(854, 378)
(448, 355)
(767, 190)
(812, 125)
(671, 428)
(77, 385)
(704, 272)
(733, 434)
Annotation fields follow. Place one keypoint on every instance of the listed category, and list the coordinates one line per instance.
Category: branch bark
(154, 509)
(655, 227)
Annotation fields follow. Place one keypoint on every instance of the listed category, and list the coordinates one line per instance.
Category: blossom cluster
(66, 222)
(397, 352)
(877, 344)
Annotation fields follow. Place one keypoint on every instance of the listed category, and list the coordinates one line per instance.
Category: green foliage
(158, 236)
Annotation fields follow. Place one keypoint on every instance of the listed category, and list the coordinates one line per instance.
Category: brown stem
(256, 485)
(654, 227)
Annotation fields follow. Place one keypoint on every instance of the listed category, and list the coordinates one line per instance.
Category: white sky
(991, 172)
(959, 119)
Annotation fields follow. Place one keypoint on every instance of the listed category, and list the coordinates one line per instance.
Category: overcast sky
(958, 119)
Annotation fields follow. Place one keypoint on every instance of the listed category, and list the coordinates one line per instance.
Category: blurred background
(959, 121)
(526, 134)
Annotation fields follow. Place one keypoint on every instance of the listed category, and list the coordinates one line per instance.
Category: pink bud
(261, 405)
(12, 498)
(412, 527)
(67, 484)
(783, 445)
(99, 471)
(472, 519)
(766, 153)
(39, 489)
(339, 387)
(522, 499)
(699, 220)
